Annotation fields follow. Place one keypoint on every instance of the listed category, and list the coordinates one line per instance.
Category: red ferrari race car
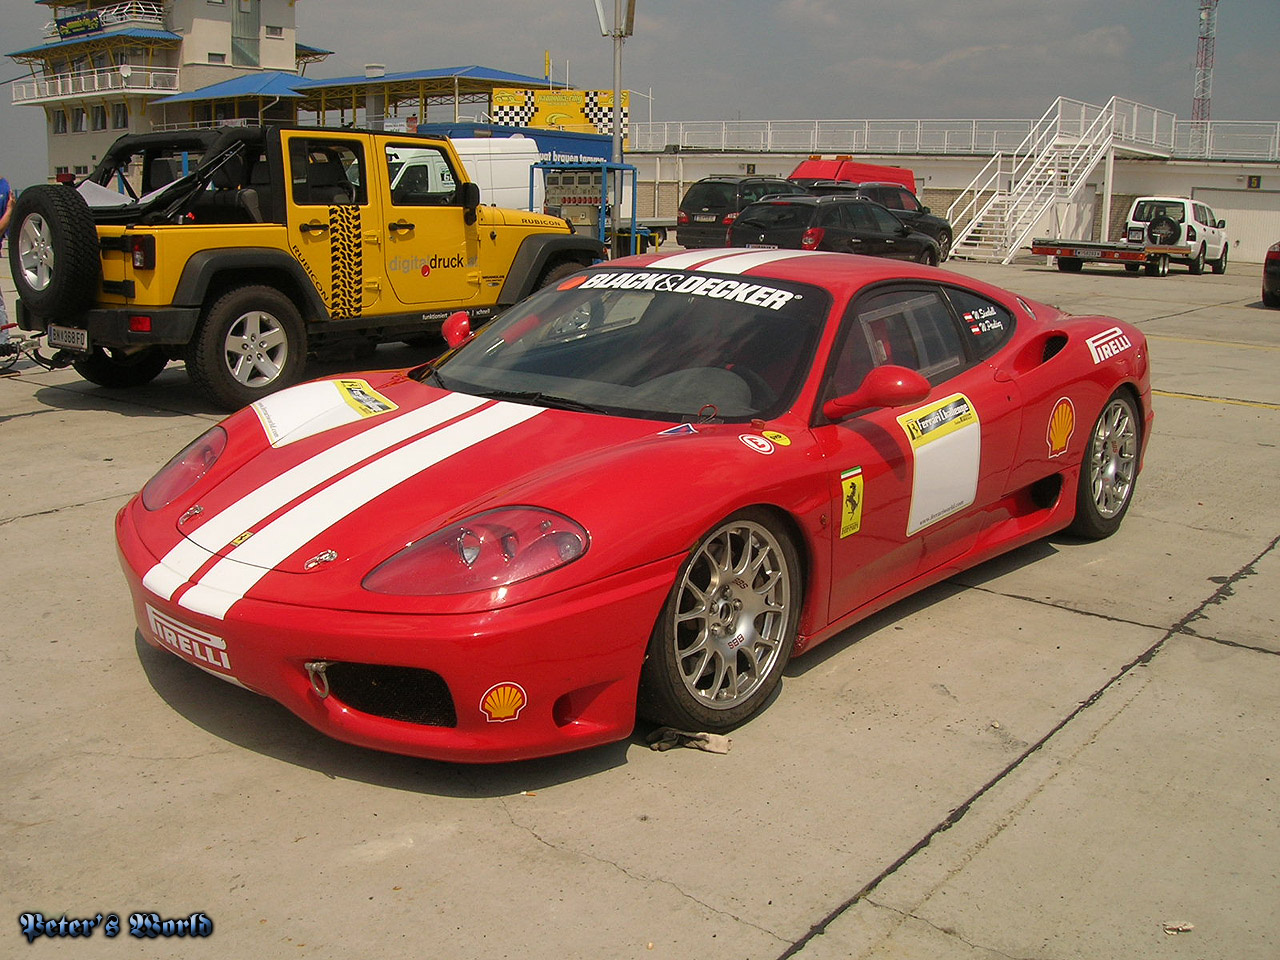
(638, 492)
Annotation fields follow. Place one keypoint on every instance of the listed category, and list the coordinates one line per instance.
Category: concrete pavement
(1068, 752)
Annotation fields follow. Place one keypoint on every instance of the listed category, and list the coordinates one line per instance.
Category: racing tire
(120, 370)
(558, 272)
(1195, 266)
(1070, 264)
(1163, 231)
(53, 251)
(727, 629)
(1219, 266)
(251, 342)
(1109, 469)
(927, 257)
(944, 246)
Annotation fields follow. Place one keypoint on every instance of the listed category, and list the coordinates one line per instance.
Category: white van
(499, 165)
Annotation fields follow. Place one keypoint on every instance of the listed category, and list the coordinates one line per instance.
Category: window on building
(98, 118)
(59, 121)
(79, 120)
(60, 171)
(217, 58)
(119, 116)
(82, 170)
(275, 31)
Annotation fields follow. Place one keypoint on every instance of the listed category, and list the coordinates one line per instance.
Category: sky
(785, 59)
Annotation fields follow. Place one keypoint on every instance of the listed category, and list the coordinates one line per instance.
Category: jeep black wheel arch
(539, 252)
(210, 272)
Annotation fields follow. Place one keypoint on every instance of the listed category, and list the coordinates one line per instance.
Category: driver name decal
(946, 440)
(716, 288)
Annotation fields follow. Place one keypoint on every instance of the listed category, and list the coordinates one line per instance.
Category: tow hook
(316, 672)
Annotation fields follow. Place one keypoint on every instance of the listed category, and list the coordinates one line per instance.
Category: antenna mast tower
(1204, 59)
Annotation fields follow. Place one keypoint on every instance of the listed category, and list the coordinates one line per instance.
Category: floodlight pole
(623, 26)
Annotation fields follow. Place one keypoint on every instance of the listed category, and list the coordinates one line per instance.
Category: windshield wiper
(538, 398)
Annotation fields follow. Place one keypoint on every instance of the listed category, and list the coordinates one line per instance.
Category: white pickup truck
(1158, 231)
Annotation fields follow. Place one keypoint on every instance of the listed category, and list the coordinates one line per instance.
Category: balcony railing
(118, 15)
(122, 79)
(1135, 125)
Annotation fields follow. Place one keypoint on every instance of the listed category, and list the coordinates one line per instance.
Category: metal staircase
(997, 212)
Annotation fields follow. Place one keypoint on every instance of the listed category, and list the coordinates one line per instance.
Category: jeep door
(432, 253)
(332, 225)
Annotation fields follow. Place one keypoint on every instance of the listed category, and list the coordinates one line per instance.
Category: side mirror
(925, 210)
(457, 329)
(470, 195)
(886, 386)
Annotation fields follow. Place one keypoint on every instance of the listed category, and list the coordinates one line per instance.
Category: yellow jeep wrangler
(241, 250)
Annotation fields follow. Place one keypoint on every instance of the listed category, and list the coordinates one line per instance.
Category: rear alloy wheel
(1109, 470)
(250, 343)
(558, 272)
(1219, 266)
(944, 245)
(1196, 266)
(727, 629)
(119, 369)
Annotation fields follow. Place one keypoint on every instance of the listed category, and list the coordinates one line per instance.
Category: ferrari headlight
(181, 473)
(490, 550)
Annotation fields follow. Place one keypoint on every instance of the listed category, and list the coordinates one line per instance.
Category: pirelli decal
(946, 442)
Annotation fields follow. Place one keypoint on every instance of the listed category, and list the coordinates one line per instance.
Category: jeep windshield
(647, 343)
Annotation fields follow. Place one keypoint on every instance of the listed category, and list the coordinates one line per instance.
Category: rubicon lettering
(425, 265)
(717, 288)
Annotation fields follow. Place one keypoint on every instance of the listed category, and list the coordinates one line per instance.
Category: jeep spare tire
(53, 251)
(1163, 231)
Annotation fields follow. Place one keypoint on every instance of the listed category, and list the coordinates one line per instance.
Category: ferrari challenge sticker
(946, 439)
(1062, 423)
(851, 499)
(310, 408)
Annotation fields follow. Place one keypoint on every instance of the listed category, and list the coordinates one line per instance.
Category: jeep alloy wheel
(250, 343)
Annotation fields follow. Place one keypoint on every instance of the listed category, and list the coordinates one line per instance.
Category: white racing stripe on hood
(180, 563)
(720, 261)
(232, 577)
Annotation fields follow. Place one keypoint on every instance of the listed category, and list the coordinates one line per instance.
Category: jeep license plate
(68, 338)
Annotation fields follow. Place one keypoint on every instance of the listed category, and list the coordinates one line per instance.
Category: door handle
(315, 226)
(400, 225)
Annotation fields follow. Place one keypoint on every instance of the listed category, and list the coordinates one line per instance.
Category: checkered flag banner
(601, 117)
(516, 115)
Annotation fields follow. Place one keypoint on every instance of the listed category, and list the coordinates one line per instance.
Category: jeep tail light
(812, 238)
(140, 324)
(142, 250)
(1191, 233)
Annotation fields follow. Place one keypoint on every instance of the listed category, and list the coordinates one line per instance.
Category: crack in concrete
(66, 506)
(632, 876)
(946, 931)
(1179, 628)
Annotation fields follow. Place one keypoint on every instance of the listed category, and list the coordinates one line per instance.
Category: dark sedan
(1271, 277)
(842, 224)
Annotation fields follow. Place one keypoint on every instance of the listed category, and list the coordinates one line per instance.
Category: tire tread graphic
(347, 261)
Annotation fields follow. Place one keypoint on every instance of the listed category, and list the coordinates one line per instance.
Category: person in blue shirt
(6, 210)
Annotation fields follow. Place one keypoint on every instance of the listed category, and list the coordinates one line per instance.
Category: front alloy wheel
(1109, 469)
(727, 629)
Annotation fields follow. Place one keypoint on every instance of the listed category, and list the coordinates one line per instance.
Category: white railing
(135, 11)
(124, 79)
(1134, 125)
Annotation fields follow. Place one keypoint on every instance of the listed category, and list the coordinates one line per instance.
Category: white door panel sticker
(946, 441)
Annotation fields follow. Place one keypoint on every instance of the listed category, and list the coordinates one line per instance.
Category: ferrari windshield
(649, 343)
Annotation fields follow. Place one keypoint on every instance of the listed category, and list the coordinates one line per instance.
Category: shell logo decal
(1062, 424)
(503, 702)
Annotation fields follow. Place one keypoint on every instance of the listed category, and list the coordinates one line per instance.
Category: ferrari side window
(988, 325)
(913, 328)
